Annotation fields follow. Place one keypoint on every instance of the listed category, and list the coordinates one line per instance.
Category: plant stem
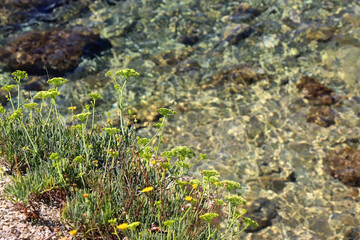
(18, 96)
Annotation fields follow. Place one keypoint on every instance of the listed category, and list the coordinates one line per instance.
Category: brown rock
(262, 211)
(319, 33)
(322, 116)
(36, 83)
(3, 95)
(167, 60)
(56, 50)
(344, 165)
(235, 32)
(242, 74)
(243, 12)
(317, 92)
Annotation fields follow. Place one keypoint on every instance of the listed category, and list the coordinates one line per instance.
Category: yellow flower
(95, 161)
(188, 198)
(147, 189)
(85, 195)
(216, 183)
(108, 121)
(122, 226)
(117, 139)
(72, 108)
(194, 186)
(73, 232)
(64, 238)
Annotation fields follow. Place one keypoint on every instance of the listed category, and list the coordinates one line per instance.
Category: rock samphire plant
(107, 182)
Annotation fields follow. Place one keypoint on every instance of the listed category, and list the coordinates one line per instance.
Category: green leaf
(169, 223)
(79, 159)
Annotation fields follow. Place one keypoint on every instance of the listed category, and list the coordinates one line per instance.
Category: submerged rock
(344, 165)
(242, 74)
(56, 50)
(243, 13)
(233, 34)
(262, 211)
(320, 33)
(316, 92)
(323, 116)
(22, 11)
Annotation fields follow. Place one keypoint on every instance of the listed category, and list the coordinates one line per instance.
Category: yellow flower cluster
(122, 226)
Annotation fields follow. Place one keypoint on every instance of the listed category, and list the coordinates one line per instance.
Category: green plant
(114, 184)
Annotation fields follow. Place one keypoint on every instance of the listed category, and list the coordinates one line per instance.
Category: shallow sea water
(255, 133)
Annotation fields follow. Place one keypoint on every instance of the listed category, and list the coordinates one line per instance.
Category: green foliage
(126, 73)
(94, 96)
(18, 75)
(166, 112)
(115, 184)
(57, 81)
(8, 87)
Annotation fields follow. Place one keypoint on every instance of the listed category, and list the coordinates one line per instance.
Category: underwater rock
(36, 83)
(262, 211)
(243, 13)
(344, 165)
(21, 11)
(56, 50)
(320, 33)
(169, 59)
(317, 92)
(242, 74)
(189, 39)
(323, 116)
(353, 234)
(236, 32)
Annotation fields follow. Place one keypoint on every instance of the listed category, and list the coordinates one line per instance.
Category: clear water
(253, 133)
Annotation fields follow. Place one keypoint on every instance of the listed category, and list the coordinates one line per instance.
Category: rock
(322, 116)
(320, 33)
(236, 32)
(353, 234)
(243, 13)
(187, 66)
(167, 60)
(57, 50)
(3, 95)
(242, 74)
(189, 39)
(317, 92)
(262, 211)
(36, 83)
(344, 165)
(14, 12)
